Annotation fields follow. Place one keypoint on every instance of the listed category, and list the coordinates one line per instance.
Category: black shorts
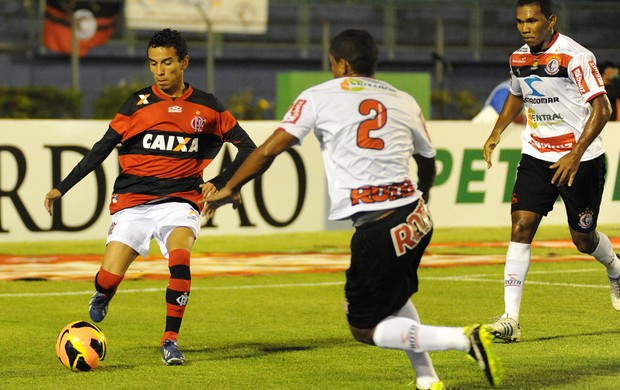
(534, 192)
(385, 256)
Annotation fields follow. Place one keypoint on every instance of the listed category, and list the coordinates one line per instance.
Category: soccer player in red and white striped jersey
(557, 81)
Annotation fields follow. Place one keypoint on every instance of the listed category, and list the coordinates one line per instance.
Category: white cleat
(615, 292)
(506, 328)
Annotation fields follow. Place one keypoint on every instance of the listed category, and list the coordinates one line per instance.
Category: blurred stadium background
(448, 54)
(463, 44)
(463, 48)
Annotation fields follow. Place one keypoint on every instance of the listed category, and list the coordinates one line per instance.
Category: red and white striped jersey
(368, 131)
(556, 86)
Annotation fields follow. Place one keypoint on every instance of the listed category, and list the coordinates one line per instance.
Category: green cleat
(481, 338)
(435, 386)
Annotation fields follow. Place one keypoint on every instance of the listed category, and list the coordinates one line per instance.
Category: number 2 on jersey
(364, 140)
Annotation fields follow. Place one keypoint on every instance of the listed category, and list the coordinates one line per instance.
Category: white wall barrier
(290, 197)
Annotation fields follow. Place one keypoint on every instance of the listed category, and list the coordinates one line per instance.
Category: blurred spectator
(494, 103)
(610, 74)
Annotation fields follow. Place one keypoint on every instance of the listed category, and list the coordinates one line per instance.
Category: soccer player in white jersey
(558, 83)
(368, 131)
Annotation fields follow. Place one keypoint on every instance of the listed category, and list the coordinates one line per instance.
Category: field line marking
(527, 282)
(566, 271)
(160, 289)
(473, 278)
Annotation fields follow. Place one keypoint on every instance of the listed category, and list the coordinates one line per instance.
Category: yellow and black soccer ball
(81, 345)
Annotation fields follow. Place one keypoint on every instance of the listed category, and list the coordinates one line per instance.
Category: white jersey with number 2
(368, 131)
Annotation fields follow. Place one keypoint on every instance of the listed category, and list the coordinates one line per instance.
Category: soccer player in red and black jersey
(168, 133)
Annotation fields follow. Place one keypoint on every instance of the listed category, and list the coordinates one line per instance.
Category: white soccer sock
(409, 335)
(516, 268)
(420, 361)
(604, 254)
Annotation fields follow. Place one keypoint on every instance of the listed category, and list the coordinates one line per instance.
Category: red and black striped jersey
(165, 144)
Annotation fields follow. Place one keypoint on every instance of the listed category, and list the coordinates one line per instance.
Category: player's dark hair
(359, 48)
(546, 6)
(169, 38)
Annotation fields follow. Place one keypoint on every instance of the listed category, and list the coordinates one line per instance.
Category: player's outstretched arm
(95, 156)
(238, 137)
(256, 163)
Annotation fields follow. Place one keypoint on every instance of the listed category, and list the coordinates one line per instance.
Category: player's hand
(215, 200)
(50, 198)
(566, 169)
(207, 189)
(489, 147)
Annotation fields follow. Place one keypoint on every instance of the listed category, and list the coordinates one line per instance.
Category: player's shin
(420, 361)
(408, 335)
(177, 293)
(107, 282)
(604, 254)
(516, 269)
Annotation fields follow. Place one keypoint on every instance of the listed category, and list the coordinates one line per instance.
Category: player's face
(167, 70)
(535, 28)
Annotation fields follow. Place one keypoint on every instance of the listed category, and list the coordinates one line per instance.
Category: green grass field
(289, 331)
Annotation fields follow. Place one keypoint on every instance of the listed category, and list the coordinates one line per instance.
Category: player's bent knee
(585, 246)
(362, 335)
(585, 242)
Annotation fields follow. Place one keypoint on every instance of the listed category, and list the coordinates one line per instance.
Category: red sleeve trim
(596, 95)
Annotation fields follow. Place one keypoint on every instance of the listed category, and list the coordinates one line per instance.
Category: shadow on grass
(559, 371)
(578, 375)
(250, 350)
(562, 336)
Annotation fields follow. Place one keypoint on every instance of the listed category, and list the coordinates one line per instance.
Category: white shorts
(136, 226)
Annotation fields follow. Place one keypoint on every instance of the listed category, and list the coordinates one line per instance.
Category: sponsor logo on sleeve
(596, 73)
(143, 99)
(582, 86)
(294, 113)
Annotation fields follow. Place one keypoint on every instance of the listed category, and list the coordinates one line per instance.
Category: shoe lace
(99, 301)
(172, 348)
